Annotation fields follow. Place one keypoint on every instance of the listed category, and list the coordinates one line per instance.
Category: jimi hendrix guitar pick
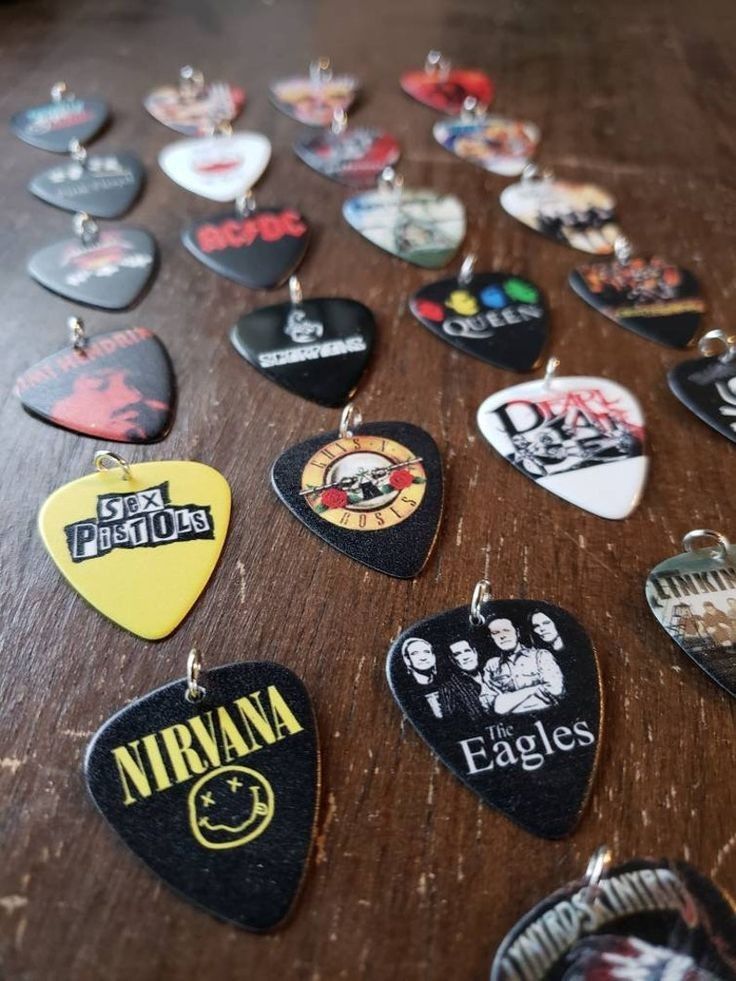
(496, 317)
(220, 167)
(581, 438)
(104, 185)
(707, 385)
(139, 542)
(217, 795)
(509, 700)
(374, 493)
(693, 595)
(442, 87)
(53, 125)
(193, 106)
(503, 146)
(115, 386)
(355, 156)
(313, 99)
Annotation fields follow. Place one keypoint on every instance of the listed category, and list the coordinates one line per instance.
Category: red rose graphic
(430, 310)
(400, 479)
(333, 497)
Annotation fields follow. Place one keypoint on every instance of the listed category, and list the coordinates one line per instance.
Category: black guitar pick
(707, 386)
(103, 185)
(374, 494)
(259, 249)
(497, 317)
(53, 125)
(510, 705)
(217, 796)
(317, 348)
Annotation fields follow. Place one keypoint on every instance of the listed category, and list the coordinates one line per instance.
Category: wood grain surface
(411, 878)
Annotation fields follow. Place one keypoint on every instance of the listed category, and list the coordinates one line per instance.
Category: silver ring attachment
(350, 420)
(295, 291)
(191, 82)
(77, 152)
(221, 127)
(622, 249)
(320, 71)
(85, 228)
(550, 371)
(467, 269)
(77, 333)
(339, 121)
(472, 109)
(717, 544)
(436, 64)
(245, 204)
(390, 182)
(598, 865)
(60, 91)
(195, 692)
(716, 343)
(532, 172)
(481, 594)
(107, 460)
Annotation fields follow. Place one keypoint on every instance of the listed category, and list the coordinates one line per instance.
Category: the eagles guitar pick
(217, 792)
(317, 348)
(139, 542)
(355, 156)
(104, 185)
(507, 694)
(53, 125)
(503, 146)
(194, 106)
(497, 317)
(581, 438)
(314, 99)
(707, 385)
(693, 595)
(373, 492)
(219, 167)
(442, 87)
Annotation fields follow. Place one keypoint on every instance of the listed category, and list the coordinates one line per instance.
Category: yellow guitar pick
(139, 542)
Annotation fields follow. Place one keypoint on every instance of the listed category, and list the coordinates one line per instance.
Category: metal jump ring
(550, 371)
(194, 691)
(622, 249)
(351, 419)
(77, 152)
(339, 121)
(436, 64)
(390, 182)
(221, 127)
(106, 460)
(77, 333)
(59, 91)
(720, 338)
(245, 204)
(598, 865)
(320, 71)
(467, 269)
(719, 548)
(481, 594)
(191, 82)
(295, 293)
(86, 228)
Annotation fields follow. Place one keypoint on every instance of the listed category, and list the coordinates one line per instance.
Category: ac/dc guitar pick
(194, 106)
(55, 124)
(707, 385)
(103, 185)
(442, 87)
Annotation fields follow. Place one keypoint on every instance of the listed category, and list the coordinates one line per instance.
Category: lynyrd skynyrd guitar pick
(317, 348)
(139, 542)
(193, 106)
(507, 694)
(116, 386)
(219, 167)
(581, 438)
(497, 317)
(500, 145)
(218, 794)
(355, 156)
(53, 125)
(693, 595)
(707, 386)
(373, 493)
(442, 87)
(313, 100)
(104, 185)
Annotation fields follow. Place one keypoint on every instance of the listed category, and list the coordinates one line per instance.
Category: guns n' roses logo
(364, 483)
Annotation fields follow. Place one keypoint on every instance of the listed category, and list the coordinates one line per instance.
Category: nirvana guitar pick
(103, 185)
(496, 317)
(442, 87)
(693, 595)
(509, 700)
(139, 542)
(581, 438)
(217, 794)
(355, 156)
(374, 494)
(313, 100)
(54, 125)
(503, 146)
(193, 106)
(220, 167)
(316, 348)
(707, 386)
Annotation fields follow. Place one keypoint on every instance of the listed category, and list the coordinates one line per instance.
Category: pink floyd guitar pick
(354, 156)
(442, 87)
(55, 124)
(103, 185)
(194, 106)
(707, 385)
(500, 145)
(314, 99)
(219, 167)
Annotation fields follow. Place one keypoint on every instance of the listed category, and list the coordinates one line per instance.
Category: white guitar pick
(220, 168)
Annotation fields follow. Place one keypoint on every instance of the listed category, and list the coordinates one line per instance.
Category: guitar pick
(217, 796)
(116, 386)
(103, 185)
(139, 543)
(217, 167)
(53, 125)
(316, 348)
(195, 114)
(581, 438)
(503, 146)
(354, 157)
(496, 317)
(509, 702)
(258, 248)
(579, 215)
(707, 386)
(693, 595)
(444, 88)
(373, 494)
(313, 100)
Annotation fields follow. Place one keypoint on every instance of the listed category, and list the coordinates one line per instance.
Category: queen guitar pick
(707, 385)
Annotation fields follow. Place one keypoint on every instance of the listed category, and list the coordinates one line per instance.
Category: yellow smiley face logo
(230, 807)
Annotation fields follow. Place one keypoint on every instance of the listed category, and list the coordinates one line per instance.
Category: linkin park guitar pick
(693, 595)
(103, 185)
(216, 788)
(442, 87)
(373, 492)
(496, 317)
(220, 167)
(313, 100)
(316, 348)
(355, 156)
(581, 438)
(54, 125)
(507, 694)
(139, 542)
(193, 106)
(707, 385)
(500, 145)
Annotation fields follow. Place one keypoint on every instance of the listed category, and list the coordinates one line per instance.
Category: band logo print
(303, 330)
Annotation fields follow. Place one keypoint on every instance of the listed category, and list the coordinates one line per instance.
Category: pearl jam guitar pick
(507, 694)
(693, 595)
(316, 348)
(216, 788)
(646, 294)
(139, 542)
(193, 106)
(117, 386)
(354, 156)
(257, 247)
(373, 492)
(219, 167)
(313, 100)
(496, 317)
(442, 87)
(707, 385)
(643, 919)
(495, 143)
(53, 125)
(581, 438)
(579, 215)
(419, 226)
(109, 269)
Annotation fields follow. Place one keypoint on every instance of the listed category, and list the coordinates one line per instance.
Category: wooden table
(411, 876)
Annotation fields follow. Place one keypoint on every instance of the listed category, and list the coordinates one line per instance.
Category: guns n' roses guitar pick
(442, 87)
(354, 156)
(55, 124)
(313, 100)
(507, 694)
(216, 788)
(707, 385)
(193, 106)
(103, 185)
(219, 167)
(139, 542)
(373, 492)
(495, 143)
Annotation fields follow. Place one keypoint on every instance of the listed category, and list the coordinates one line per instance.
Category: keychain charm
(442, 87)
(313, 100)
(507, 694)
(354, 156)
(495, 143)
(193, 106)
(54, 125)
(707, 385)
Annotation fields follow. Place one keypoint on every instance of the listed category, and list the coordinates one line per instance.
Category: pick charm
(139, 542)
(497, 317)
(355, 156)
(103, 185)
(193, 106)
(314, 100)
(316, 348)
(229, 822)
(373, 492)
(495, 143)
(707, 385)
(442, 87)
(581, 438)
(693, 595)
(220, 167)
(54, 125)
(507, 694)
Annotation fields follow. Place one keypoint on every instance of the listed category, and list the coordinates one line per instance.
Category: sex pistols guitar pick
(707, 385)
(103, 185)
(442, 87)
(581, 438)
(495, 143)
(373, 492)
(215, 788)
(220, 167)
(354, 156)
(507, 694)
(313, 100)
(53, 125)
(496, 317)
(139, 542)
(193, 106)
